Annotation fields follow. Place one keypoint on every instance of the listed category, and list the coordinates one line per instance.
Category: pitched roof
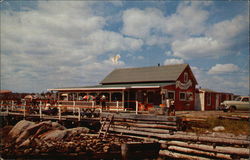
(114, 86)
(145, 74)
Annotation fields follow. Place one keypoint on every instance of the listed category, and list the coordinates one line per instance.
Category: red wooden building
(207, 99)
(146, 85)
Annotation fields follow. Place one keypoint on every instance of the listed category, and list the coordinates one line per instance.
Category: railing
(38, 107)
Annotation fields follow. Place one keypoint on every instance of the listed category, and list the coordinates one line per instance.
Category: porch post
(110, 94)
(58, 96)
(123, 103)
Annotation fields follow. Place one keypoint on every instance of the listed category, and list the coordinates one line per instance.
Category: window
(190, 96)
(245, 100)
(116, 96)
(170, 95)
(208, 99)
(185, 77)
(182, 96)
(151, 97)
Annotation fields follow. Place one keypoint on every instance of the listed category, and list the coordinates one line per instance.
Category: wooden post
(40, 109)
(12, 105)
(7, 109)
(123, 99)
(93, 104)
(136, 107)
(59, 112)
(79, 114)
(1, 105)
(124, 151)
(117, 106)
(74, 104)
(24, 111)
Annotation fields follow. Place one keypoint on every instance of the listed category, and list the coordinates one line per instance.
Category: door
(217, 102)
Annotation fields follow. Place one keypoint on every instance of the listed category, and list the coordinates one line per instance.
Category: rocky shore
(27, 139)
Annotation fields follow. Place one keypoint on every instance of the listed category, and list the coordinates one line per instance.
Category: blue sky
(50, 44)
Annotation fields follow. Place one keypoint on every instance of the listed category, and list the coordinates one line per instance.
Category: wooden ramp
(105, 124)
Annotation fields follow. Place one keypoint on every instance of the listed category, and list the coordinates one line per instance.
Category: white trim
(144, 87)
(180, 96)
(114, 88)
(86, 89)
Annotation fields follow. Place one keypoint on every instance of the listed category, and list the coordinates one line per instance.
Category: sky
(53, 44)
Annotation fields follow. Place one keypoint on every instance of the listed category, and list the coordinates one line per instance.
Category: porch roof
(115, 86)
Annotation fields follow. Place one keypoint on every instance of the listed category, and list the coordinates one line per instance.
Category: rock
(25, 143)
(20, 127)
(54, 135)
(218, 128)
(56, 125)
(77, 131)
(32, 130)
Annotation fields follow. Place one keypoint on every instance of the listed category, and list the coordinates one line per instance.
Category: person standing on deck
(172, 108)
(168, 106)
(103, 100)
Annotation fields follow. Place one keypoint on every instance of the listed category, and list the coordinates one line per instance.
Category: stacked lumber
(236, 117)
(146, 125)
(177, 144)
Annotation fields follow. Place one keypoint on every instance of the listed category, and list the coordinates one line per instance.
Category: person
(168, 106)
(97, 99)
(103, 100)
(172, 108)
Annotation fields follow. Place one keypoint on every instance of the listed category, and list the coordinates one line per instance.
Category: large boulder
(54, 135)
(77, 131)
(34, 130)
(56, 125)
(19, 128)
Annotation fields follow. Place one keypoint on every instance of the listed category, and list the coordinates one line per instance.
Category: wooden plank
(184, 138)
(215, 135)
(180, 156)
(198, 152)
(153, 130)
(143, 117)
(210, 148)
(148, 122)
(146, 125)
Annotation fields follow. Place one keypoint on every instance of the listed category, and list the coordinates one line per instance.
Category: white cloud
(173, 61)
(223, 68)
(218, 40)
(57, 45)
(138, 23)
(189, 19)
(197, 47)
(154, 28)
(229, 29)
(235, 82)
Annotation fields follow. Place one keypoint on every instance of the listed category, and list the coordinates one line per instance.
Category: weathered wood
(184, 138)
(197, 152)
(144, 117)
(135, 149)
(180, 156)
(216, 135)
(209, 148)
(147, 122)
(164, 131)
(146, 125)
